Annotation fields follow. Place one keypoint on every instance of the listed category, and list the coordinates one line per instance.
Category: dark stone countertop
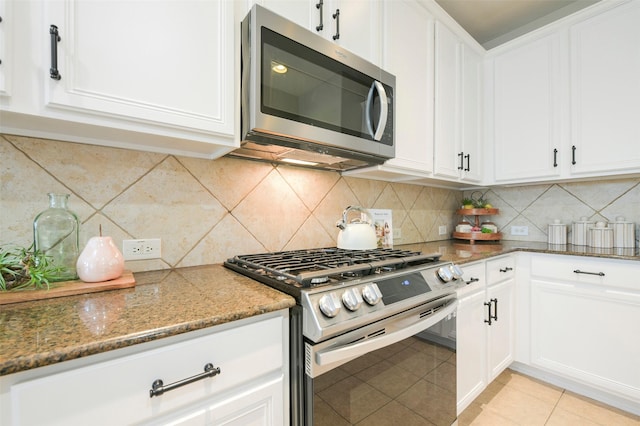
(162, 304)
(171, 302)
(460, 251)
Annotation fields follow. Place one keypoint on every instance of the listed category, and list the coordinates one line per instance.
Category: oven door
(401, 370)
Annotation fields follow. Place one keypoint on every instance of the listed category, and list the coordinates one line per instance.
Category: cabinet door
(166, 63)
(528, 111)
(471, 113)
(605, 65)
(359, 27)
(501, 331)
(448, 157)
(409, 25)
(587, 333)
(259, 404)
(302, 12)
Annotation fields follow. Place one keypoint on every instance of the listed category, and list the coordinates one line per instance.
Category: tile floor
(516, 399)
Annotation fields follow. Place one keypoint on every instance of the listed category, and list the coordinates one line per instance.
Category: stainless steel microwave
(308, 101)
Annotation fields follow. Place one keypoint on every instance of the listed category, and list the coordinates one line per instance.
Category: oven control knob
(352, 299)
(456, 271)
(445, 274)
(371, 294)
(329, 305)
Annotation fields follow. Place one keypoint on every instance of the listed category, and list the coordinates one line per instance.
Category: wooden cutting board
(67, 288)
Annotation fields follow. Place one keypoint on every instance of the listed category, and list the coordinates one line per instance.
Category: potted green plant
(25, 268)
(467, 203)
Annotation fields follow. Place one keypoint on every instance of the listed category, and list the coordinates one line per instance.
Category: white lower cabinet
(251, 387)
(485, 326)
(585, 322)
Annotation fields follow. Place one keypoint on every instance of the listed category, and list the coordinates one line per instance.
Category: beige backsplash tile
(207, 211)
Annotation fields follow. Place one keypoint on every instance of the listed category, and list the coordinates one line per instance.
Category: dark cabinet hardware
(488, 305)
(573, 154)
(578, 271)
(336, 16)
(461, 157)
(495, 309)
(158, 387)
(472, 280)
(507, 269)
(320, 6)
(555, 157)
(468, 158)
(55, 38)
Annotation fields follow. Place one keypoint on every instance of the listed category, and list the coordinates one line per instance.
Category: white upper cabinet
(528, 110)
(353, 24)
(565, 100)
(605, 83)
(411, 26)
(458, 97)
(156, 75)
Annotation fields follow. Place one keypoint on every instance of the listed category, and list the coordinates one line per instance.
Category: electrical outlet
(442, 230)
(397, 234)
(141, 249)
(519, 230)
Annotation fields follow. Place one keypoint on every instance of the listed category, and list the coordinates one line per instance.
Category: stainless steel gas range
(372, 336)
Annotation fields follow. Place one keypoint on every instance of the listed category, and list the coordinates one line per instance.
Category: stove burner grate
(308, 268)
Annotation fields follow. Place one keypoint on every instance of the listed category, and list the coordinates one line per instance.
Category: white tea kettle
(356, 234)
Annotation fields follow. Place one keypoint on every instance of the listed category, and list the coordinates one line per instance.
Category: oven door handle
(353, 350)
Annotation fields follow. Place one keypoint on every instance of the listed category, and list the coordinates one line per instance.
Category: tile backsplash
(206, 211)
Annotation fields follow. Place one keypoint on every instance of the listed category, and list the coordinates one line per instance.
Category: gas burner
(324, 266)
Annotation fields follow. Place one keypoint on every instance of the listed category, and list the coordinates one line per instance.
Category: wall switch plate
(519, 230)
(141, 249)
(397, 234)
(442, 230)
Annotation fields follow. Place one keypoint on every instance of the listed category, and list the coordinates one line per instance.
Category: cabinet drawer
(606, 272)
(500, 269)
(118, 391)
(474, 275)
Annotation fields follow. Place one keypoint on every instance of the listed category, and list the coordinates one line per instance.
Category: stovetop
(291, 271)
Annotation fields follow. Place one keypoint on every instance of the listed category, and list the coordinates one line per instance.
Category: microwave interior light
(278, 68)
(299, 162)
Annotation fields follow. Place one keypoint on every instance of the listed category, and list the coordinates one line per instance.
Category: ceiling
(493, 22)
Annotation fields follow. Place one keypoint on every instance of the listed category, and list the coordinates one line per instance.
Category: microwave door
(383, 110)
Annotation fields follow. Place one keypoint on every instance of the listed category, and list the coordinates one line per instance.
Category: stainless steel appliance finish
(308, 101)
(355, 310)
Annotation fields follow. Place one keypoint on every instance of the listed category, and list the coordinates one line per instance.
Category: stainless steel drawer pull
(578, 271)
(158, 388)
(507, 269)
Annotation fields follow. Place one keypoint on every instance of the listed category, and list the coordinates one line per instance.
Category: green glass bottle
(56, 234)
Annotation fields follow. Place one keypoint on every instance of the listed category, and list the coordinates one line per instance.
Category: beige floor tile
(596, 411)
(561, 417)
(536, 388)
(491, 418)
(520, 407)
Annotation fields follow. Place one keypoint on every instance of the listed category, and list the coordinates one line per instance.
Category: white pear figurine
(100, 260)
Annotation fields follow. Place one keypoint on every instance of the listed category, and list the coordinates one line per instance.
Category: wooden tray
(473, 236)
(67, 288)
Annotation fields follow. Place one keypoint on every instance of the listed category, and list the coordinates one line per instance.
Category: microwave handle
(384, 110)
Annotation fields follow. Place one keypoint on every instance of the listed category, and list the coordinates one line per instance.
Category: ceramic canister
(624, 233)
(557, 232)
(601, 236)
(579, 231)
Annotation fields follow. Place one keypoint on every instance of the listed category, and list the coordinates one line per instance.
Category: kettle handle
(343, 222)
